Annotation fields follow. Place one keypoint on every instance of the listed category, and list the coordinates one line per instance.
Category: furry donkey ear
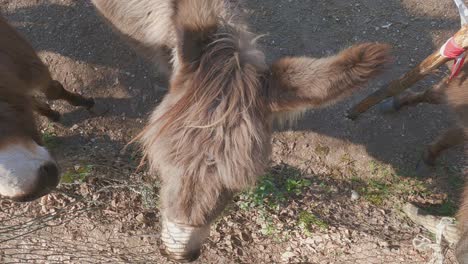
(196, 22)
(298, 83)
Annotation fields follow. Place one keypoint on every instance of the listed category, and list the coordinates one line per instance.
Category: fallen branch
(431, 222)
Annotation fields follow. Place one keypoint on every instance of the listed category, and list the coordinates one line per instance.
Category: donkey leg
(409, 98)
(56, 91)
(461, 251)
(44, 109)
(448, 139)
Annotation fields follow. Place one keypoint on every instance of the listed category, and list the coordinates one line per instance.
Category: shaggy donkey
(210, 136)
(455, 94)
(457, 98)
(27, 170)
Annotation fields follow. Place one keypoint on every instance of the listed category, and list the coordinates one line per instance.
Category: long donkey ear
(300, 83)
(195, 21)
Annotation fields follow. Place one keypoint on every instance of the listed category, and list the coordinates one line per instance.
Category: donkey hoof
(423, 169)
(389, 106)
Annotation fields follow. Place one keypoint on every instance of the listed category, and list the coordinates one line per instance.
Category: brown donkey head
(210, 137)
(27, 170)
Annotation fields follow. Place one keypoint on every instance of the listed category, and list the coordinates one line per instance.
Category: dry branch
(430, 222)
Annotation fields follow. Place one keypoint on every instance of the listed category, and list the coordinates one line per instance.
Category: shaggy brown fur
(214, 139)
(210, 136)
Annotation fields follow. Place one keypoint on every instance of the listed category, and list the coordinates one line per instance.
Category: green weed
(77, 174)
(50, 139)
(271, 191)
(306, 220)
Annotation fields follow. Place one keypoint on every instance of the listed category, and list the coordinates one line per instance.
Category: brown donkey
(27, 170)
(211, 135)
(457, 98)
(443, 93)
(455, 94)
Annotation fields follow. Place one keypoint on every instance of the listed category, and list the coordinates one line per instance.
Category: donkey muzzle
(182, 242)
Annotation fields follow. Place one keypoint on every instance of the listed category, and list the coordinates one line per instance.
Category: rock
(354, 195)
(141, 218)
(286, 256)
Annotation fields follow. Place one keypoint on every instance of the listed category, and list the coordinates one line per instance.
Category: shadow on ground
(313, 28)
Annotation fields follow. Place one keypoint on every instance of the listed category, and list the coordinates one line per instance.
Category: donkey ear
(298, 83)
(196, 22)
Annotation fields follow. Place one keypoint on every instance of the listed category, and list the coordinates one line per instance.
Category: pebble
(141, 218)
(287, 255)
(354, 195)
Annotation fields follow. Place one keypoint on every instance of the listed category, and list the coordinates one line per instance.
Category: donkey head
(27, 170)
(210, 137)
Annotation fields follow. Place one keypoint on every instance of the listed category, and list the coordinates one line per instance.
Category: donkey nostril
(48, 175)
(192, 256)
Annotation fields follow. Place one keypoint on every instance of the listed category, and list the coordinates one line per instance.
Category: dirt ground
(106, 212)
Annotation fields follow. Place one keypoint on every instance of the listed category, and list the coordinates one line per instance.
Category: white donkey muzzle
(27, 172)
(183, 242)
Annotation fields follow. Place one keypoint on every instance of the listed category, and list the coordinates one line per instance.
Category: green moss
(306, 220)
(77, 174)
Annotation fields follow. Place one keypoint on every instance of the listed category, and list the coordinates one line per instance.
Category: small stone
(286, 256)
(141, 218)
(354, 195)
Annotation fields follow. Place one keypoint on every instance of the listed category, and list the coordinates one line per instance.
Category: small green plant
(50, 139)
(273, 190)
(407, 187)
(268, 227)
(297, 185)
(265, 194)
(375, 192)
(307, 219)
(380, 170)
(77, 174)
